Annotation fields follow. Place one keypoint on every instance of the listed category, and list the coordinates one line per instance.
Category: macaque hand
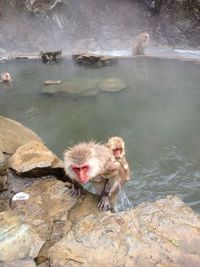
(74, 191)
(104, 204)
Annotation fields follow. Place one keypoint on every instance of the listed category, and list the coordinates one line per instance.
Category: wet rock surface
(49, 227)
(85, 87)
(93, 60)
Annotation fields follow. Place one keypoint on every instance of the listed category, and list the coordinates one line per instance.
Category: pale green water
(158, 115)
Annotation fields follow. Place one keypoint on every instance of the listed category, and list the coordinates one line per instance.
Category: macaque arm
(75, 189)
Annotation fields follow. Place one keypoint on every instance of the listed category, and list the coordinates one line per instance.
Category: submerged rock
(112, 85)
(73, 87)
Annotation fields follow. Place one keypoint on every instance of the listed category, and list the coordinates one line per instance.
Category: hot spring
(157, 115)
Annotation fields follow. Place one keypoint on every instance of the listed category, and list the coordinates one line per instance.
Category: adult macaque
(140, 42)
(95, 163)
(5, 77)
(50, 56)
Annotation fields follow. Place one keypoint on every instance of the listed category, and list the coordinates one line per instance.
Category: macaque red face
(82, 173)
(82, 163)
(116, 144)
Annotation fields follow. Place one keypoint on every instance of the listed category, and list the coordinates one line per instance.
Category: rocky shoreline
(49, 227)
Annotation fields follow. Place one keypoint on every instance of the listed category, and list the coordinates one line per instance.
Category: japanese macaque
(117, 146)
(50, 56)
(5, 77)
(95, 163)
(140, 42)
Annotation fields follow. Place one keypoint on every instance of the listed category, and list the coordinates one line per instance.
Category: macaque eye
(117, 150)
(85, 167)
(75, 169)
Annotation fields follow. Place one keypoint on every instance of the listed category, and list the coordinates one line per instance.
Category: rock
(93, 60)
(73, 87)
(13, 134)
(34, 159)
(50, 82)
(19, 263)
(164, 233)
(3, 170)
(112, 85)
(47, 211)
(13, 232)
(43, 6)
(47, 207)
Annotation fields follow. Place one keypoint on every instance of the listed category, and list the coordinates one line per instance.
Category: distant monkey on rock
(95, 163)
(48, 57)
(140, 43)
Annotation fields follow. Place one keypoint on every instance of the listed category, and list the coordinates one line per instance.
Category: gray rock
(73, 87)
(164, 233)
(17, 240)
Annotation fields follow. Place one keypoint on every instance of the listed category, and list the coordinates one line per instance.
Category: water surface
(158, 116)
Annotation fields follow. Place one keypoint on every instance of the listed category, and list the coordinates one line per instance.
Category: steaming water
(158, 116)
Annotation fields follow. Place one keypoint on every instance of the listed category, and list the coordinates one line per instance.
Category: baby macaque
(5, 77)
(117, 146)
(50, 56)
(95, 163)
(139, 44)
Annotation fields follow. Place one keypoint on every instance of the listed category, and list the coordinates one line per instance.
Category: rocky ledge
(49, 227)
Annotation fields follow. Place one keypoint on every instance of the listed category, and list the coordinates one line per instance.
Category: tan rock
(33, 154)
(19, 263)
(13, 232)
(13, 134)
(47, 207)
(166, 232)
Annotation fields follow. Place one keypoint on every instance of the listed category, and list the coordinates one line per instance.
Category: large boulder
(13, 134)
(164, 233)
(34, 159)
(17, 239)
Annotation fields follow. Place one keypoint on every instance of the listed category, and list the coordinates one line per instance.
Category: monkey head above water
(5, 77)
(95, 163)
(140, 42)
(49, 57)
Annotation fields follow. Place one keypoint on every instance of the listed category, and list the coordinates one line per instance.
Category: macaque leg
(108, 197)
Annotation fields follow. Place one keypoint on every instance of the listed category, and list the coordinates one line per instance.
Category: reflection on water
(158, 116)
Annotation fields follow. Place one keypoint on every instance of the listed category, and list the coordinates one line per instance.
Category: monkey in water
(50, 56)
(5, 77)
(140, 42)
(95, 163)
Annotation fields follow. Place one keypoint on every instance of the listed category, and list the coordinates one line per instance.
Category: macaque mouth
(117, 152)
